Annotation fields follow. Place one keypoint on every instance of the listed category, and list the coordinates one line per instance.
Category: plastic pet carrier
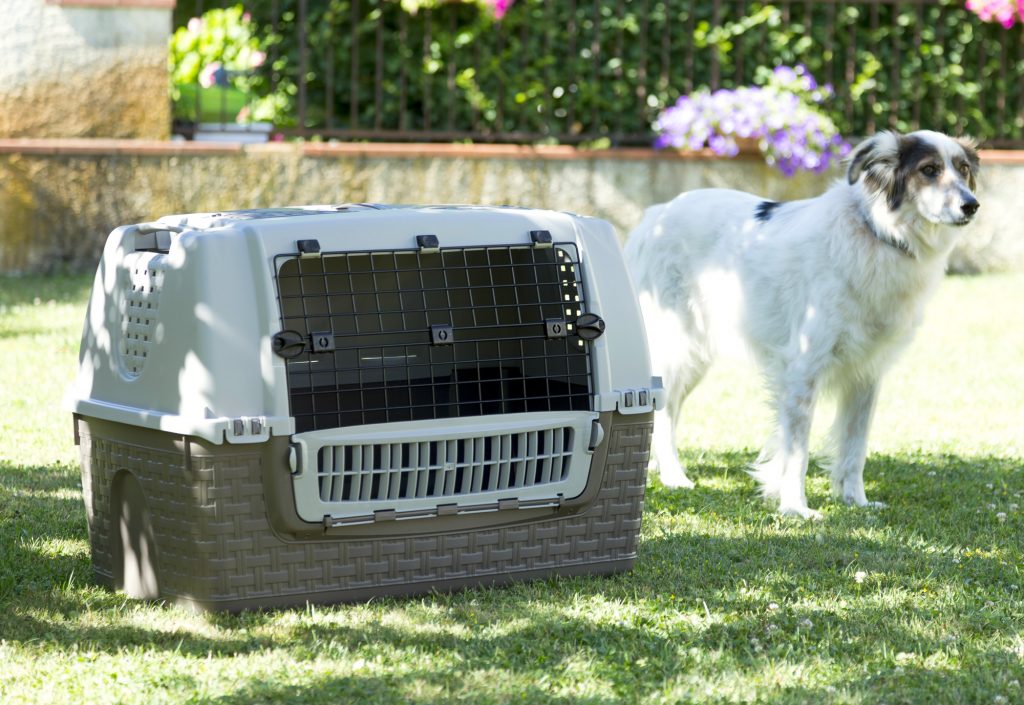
(332, 403)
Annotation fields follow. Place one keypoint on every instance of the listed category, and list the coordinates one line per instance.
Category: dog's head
(933, 173)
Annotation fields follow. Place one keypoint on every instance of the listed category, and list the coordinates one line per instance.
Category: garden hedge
(601, 71)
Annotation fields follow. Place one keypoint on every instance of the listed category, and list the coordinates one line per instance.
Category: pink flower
(195, 25)
(257, 58)
(209, 75)
(1005, 12)
(500, 7)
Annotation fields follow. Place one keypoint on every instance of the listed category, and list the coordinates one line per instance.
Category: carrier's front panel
(433, 381)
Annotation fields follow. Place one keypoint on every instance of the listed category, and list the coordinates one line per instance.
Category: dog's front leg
(853, 419)
(796, 409)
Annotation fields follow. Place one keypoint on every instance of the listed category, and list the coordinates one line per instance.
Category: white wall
(69, 70)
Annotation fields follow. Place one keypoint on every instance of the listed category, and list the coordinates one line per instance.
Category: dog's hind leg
(850, 433)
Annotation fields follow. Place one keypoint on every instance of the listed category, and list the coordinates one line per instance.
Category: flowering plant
(498, 7)
(220, 50)
(783, 115)
(1005, 12)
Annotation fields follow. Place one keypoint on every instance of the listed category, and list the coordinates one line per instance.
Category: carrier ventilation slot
(142, 280)
(388, 363)
(444, 468)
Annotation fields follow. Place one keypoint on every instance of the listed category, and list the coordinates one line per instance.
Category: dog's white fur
(822, 292)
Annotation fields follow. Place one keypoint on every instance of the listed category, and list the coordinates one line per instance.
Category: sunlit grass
(919, 603)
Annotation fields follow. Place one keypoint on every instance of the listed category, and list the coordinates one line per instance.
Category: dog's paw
(801, 512)
(864, 503)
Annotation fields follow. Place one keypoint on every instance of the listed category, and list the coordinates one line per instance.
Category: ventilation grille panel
(444, 468)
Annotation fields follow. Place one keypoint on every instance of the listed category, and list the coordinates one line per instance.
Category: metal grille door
(408, 335)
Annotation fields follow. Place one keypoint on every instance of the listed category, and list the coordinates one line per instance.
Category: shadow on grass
(907, 685)
(711, 564)
(415, 686)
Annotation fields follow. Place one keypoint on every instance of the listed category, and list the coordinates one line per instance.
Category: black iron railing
(579, 71)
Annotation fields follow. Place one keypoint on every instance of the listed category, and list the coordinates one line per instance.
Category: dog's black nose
(970, 207)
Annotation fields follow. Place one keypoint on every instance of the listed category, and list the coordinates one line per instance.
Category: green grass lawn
(920, 603)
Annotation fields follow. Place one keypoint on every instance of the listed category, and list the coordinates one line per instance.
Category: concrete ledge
(59, 198)
(107, 147)
(400, 150)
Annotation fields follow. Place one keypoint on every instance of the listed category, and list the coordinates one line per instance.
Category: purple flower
(793, 134)
(785, 74)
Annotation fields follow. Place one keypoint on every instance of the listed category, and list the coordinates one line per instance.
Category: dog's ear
(970, 147)
(880, 160)
(857, 160)
(881, 149)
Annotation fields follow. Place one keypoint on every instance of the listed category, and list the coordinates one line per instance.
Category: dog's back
(679, 257)
(680, 235)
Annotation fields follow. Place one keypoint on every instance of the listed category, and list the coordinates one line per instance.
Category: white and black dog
(823, 293)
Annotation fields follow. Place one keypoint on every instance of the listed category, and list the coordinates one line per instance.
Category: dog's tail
(768, 475)
(767, 470)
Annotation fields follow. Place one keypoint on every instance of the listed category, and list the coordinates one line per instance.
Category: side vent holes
(141, 280)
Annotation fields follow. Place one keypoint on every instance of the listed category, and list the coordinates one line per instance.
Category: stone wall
(84, 68)
(59, 199)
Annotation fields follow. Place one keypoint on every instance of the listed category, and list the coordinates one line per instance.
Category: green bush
(214, 62)
(601, 71)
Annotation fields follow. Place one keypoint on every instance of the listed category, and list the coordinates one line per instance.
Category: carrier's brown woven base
(193, 520)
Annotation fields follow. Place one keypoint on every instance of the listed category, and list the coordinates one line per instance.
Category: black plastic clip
(442, 334)
(308, 248)
(556, 327)
(323, 341)
(540, 238)
(428, 243)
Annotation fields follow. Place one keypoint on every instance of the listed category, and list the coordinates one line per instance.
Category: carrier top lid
(209, 221)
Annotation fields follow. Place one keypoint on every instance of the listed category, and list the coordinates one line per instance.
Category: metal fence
(599, 72)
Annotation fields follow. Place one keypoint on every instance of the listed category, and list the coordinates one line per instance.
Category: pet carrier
(330, 403)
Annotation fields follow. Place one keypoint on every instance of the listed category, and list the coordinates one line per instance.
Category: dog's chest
(875, 323)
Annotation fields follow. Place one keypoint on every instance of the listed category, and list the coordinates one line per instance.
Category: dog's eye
(965, 169)
(929, 170)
